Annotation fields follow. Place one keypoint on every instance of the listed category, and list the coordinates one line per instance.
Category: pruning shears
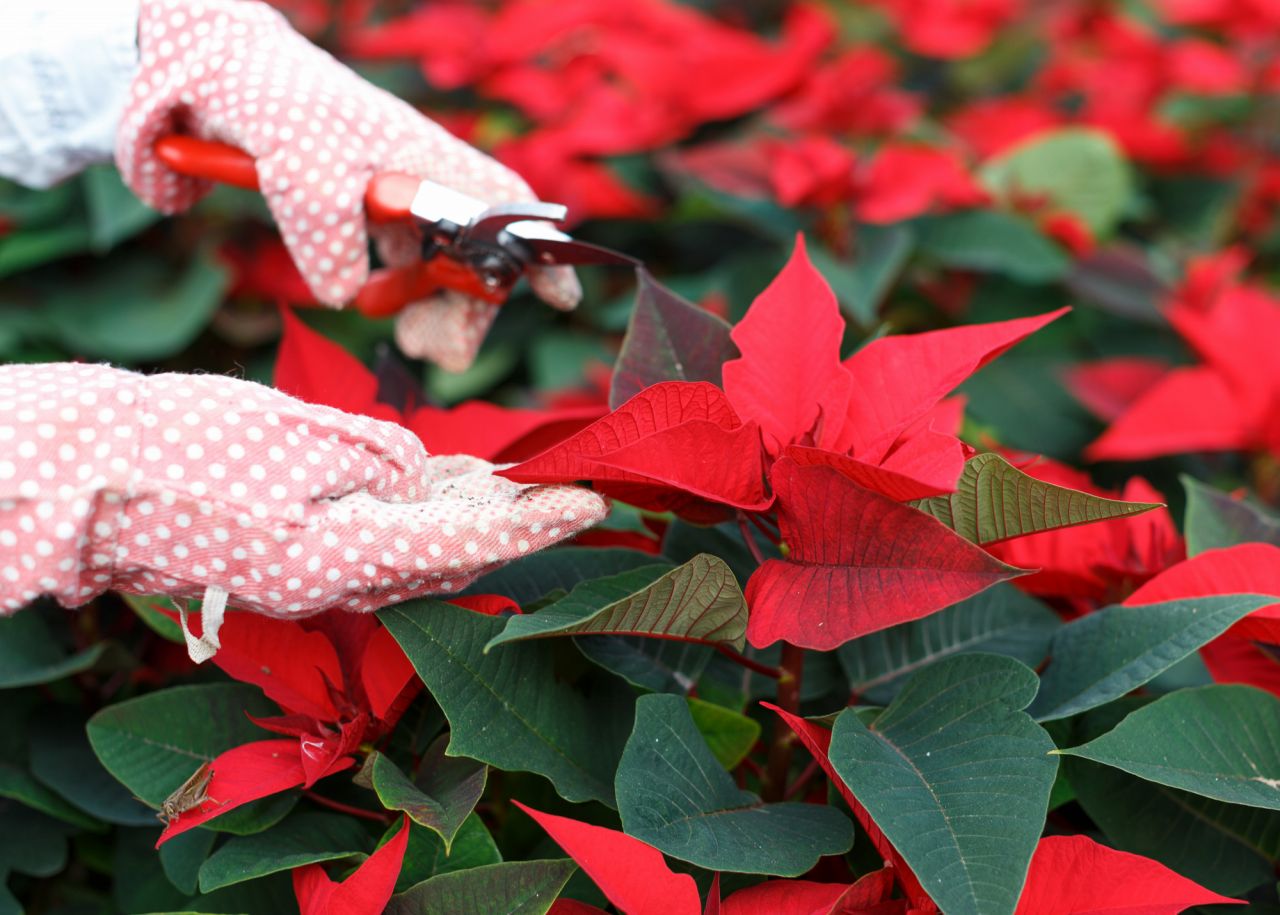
(468, 245)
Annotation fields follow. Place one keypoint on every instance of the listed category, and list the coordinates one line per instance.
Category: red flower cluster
(599, 79)
(799, 433)
(340, 679)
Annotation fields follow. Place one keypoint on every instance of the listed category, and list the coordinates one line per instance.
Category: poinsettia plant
(942, 573)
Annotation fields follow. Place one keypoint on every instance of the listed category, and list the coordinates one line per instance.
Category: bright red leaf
(365, 892)
(243, 774)
(632, 874)
(1109, 387)
(1074, 875)
(904, 181)
(897, 380)
(868, 896)
(789, 378)
(682, 436)
(858, 562)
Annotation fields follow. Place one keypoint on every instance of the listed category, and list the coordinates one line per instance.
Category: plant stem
(779, 765)
(347, 808)
(749, 540)
(754, 666)
(803, 780)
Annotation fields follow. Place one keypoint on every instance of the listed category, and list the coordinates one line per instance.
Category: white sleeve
(65, 70)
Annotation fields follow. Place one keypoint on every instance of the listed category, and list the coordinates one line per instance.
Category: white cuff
(65, 68)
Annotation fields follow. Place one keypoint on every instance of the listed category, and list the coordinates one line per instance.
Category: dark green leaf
(656, 665)
(28, 248)
(153, 743)
(139, 883)
(879, 254)
(1112, 652)
(1225, 847)
(1001, 620)
(957, 777)
(698, 602)
(728, 734)
(668, 339)
(1218, 741)
(20, 785)
(299, 839)
(674, 794)
(145, 605)
(996, 501)
(992, 241)
(30, 842)
(182, 856)
(441, 797)
(508, 708)
(62, 759)
(528, 579)
(131, 309)
(30, 654)
(511, 888)
(1214, 519)
(425, 855)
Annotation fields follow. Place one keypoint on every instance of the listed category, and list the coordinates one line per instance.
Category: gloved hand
(193, 485)
(234, 71)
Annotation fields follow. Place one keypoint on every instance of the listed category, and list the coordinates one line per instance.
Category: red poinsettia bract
(797, 434)
(339, 678)
(319, 371)
(635, 878)
(1230, 401)
(365, 892)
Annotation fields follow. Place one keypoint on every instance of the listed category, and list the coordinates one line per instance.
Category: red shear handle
(387, 199)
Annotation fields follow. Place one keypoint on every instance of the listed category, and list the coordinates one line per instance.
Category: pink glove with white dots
(234, 71)
(193, 485)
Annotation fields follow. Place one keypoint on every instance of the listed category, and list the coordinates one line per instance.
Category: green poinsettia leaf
(533, 577)
(674, 794)
(1076, 169)
(508, 708)
(1000, 620)
(994, 242)
(1215, 519)
(1228, 848)
(297, 840)
(512, 888)
(1109, 653)
(729, 735)
(699, 601)
(153, 743)
(668, 339)
(30, 654)
(1216, 741)
(425, 855)
(957, 776)
(440, 798)
(996, 501)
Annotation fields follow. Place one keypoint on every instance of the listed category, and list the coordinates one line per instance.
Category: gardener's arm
(207, 486)
(85, 79)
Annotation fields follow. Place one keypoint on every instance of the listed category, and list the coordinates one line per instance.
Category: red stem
(805, 777)
(749, 540)
(347, 808)
(763, 670)
(784, 739)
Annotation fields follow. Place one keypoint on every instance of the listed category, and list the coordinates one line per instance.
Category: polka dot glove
(234, 71)
(193, 485)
